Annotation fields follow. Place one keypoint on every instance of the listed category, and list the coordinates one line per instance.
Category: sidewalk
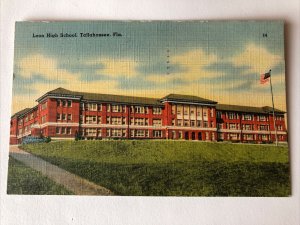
(72, 182)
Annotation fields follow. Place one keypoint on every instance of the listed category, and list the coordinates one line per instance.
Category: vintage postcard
(149, 108)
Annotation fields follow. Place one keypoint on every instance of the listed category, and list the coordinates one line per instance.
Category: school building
(64, 114)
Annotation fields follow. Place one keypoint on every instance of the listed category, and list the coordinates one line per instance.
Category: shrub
(31, 140)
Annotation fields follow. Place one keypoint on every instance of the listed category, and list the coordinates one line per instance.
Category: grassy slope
(174, 167)
(24, 180)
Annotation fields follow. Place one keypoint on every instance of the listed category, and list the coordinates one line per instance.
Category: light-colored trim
(250, 131)
(192, 128)
(25, 134)
(188, 103)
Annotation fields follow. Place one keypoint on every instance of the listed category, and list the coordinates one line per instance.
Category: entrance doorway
(199, 136)
(186, 135)
(193, 135)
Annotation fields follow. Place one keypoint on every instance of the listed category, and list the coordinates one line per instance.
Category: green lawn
(26, 181)
(174, 168)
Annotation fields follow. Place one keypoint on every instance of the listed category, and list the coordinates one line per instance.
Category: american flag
(264, 78)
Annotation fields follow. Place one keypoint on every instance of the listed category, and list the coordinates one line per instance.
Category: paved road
(72, 182)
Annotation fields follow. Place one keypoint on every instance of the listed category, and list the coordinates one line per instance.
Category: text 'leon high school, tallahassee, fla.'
(63, 114)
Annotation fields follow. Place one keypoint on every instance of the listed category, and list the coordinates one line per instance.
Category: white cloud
(259, 59)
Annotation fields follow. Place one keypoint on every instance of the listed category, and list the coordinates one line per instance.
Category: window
(147, 110)
(140, 121)
(192, 110)
(139, 109)
(99, 132)
(69, 116)
(173, 109)
(81, 119)
(247, 117)
(157, 133)
(26, 119)
(64, 103)
(247, 127)
(92, 106)
(64, 116)
(44, 105)
(69, 130)
(219, 115)
(179, 122)
(99, 120)
(173, 122)
(206, 135)
(205, 124)
(31, 116)
(116, 120)
(213, 136)
(116, 132)
(204, 114)
(116, 108)
(63, 130)
(91, 132)
(44, 119)
(179, 110)
(185, 110)
(199, 110)
(139, 133)
(231, 116)
(262, 118)
(157, 110)
(157, 122)
(108, 108)
(82, 106)
(173, 135)
(57, 130)
(263, 127)
(58, 102)
(279, 127)
(99, 107)
(69, 103)
(264, 137)
(91, 119)
(58, 116)
(198, 123)
(186, 123)
(248, 136)
(212, 113)
(233, 136)
(232, 126)
(219, 126)
(20, 122)
(180, 134)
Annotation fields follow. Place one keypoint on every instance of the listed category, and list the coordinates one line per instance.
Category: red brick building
(62, 114)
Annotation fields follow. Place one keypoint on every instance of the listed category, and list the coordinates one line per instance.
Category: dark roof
(187, 98)
(239, 108)
(103, 97)
(22, 112)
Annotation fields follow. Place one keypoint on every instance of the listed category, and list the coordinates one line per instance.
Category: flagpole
(273, 110)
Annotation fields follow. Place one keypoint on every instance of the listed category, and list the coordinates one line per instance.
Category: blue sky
(221, 61)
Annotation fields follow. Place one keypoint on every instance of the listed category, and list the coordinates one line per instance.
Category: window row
(192, 123)
(236, 126)
(63, 116)
(119, 108)
(191, 110)
(64, 103)
(63, 130)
